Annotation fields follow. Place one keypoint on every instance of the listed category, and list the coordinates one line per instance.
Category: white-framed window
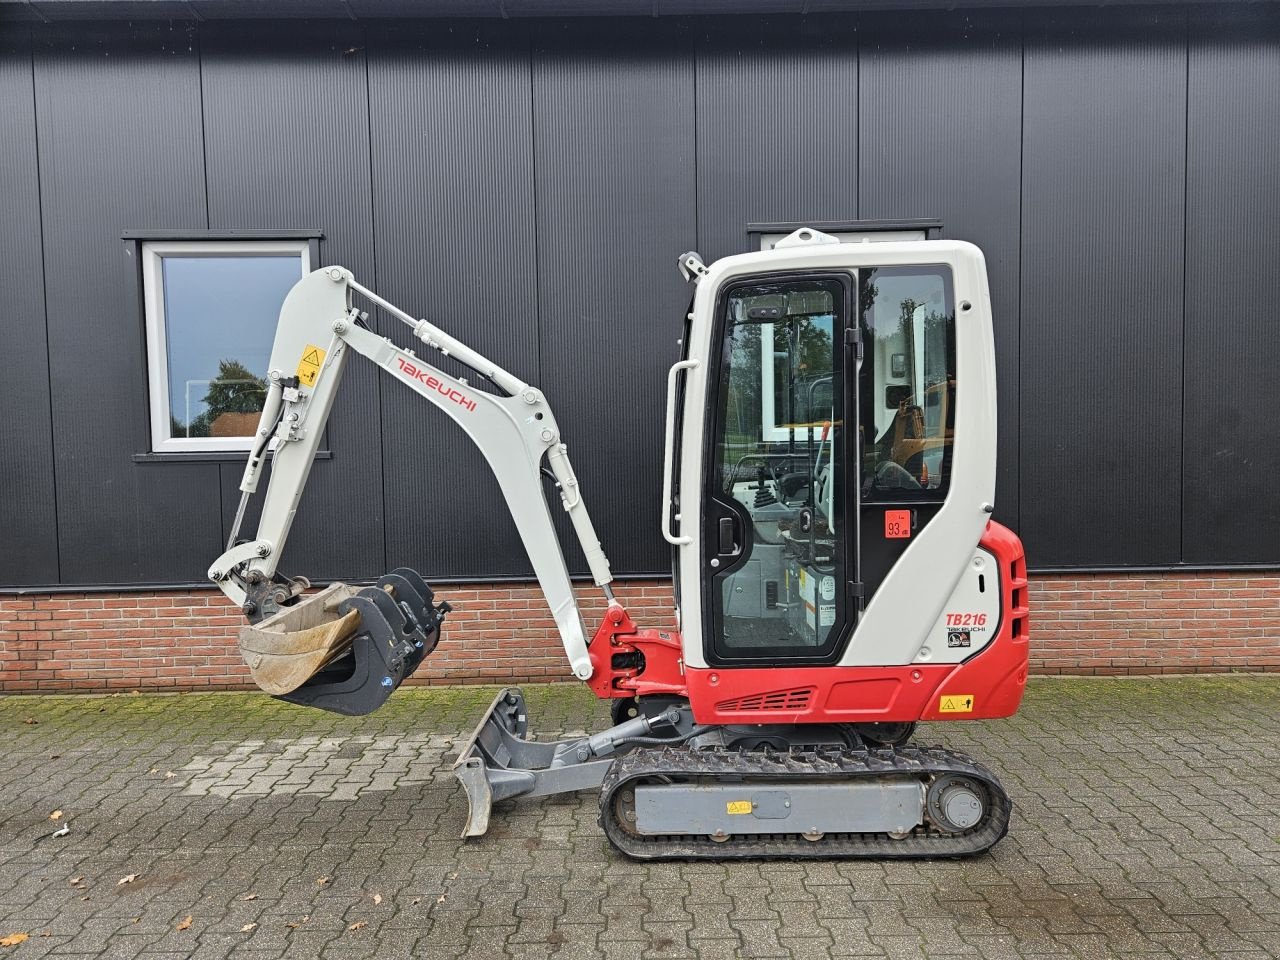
(211, 308)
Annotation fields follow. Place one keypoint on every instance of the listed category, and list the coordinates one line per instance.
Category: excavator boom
(514, 428)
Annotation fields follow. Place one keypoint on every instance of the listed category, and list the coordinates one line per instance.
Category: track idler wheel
(956, 803)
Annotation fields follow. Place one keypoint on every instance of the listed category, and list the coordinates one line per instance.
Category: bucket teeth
(345, 649)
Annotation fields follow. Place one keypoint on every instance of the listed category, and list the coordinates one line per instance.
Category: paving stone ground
(1146, 824)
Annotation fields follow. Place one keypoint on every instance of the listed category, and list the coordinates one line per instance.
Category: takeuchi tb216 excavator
(828, 484)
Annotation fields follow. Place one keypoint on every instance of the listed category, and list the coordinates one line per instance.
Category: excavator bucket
(346, 649)
(284, 651)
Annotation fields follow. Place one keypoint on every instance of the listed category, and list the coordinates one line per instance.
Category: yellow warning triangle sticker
(309, 365)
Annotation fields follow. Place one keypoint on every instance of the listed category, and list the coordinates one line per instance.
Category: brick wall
(1090, 624)
(1155, 623)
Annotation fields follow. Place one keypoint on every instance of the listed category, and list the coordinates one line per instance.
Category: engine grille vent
(797, 699)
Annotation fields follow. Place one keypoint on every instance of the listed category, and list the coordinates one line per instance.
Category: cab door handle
(728, 543)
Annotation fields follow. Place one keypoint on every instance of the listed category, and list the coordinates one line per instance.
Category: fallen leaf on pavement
(56, 815)
(249, 896)
(441, 898)
(12, 940)
(295, 924)
(377, 899)
(77, 881)
(247, 927)
(184, 923)
(135, 920)
(453, 876)
(358, 925)
(154, 770)
(169, 774)
(129, 879)
(321, 881)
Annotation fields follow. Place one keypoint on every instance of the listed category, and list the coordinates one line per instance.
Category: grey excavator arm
(516, 431)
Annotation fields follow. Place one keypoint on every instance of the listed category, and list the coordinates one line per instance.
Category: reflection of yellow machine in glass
(921, 436)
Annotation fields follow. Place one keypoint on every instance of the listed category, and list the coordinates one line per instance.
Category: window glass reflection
(220, 320)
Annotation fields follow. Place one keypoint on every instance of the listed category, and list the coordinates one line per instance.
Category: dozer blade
(505, 720)
(346, 649)
(498, 761)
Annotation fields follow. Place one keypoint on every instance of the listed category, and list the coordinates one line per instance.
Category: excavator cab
(828, 484)
(790, 488)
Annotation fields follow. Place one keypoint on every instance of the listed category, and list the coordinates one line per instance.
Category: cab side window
(907, 383)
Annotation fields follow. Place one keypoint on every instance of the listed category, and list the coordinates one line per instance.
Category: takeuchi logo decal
(435, 383)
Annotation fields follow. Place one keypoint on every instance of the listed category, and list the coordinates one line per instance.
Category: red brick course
(1081, 624)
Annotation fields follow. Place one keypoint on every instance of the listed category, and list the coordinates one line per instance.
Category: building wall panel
(1231, 446)
(777, 125)
(452, 149)
(940, 113)
(120, 143)
(286, 135)
(614, 161)
(530, 186)
(1101, 295)
(28, 513)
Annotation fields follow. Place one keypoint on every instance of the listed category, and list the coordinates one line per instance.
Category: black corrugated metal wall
(531, 183)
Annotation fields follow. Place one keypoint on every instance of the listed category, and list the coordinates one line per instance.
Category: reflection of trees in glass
(803, 354)
(805, 343)
(939, 345)
(744, 403)
(235, 390)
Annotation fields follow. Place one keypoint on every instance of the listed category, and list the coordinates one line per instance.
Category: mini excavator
(827, 488)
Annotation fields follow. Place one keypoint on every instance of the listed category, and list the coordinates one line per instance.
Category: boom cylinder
(597, 562)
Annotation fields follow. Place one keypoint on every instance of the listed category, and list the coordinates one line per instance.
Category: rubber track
(769, 768)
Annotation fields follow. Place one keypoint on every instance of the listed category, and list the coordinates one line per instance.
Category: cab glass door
(779, 548)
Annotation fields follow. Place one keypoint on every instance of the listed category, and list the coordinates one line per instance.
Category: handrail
(668, 464)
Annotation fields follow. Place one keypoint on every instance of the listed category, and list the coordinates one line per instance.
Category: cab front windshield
(779, 469)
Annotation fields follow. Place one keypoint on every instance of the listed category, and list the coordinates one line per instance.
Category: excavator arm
(514, 428)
